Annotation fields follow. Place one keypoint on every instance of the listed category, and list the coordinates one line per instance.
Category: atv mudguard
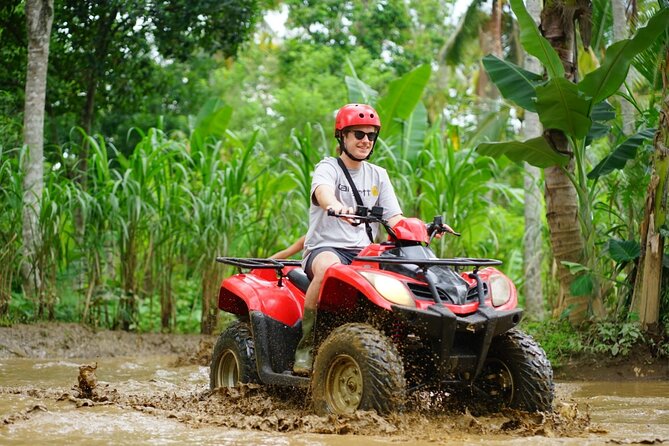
(259, 291)
(342, 286)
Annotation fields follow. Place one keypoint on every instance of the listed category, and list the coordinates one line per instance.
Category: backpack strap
(356, 194)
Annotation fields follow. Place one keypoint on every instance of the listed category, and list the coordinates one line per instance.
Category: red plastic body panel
(412, 230)
(260, 291)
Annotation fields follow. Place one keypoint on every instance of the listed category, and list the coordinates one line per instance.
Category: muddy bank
(61, 340)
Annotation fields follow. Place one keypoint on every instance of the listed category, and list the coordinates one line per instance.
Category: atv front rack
(251, 263)
(455, 261)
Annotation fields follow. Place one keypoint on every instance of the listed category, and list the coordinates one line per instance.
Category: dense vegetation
(169, 143)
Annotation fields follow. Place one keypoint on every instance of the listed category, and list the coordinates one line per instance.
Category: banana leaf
(515, 83)
(621, 154)
(536, 151)
(562, 106)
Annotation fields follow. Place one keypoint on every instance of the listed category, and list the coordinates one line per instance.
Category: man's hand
(339, 208)
(439, 231)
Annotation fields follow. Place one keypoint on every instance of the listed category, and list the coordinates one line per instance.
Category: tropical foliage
(166, 149)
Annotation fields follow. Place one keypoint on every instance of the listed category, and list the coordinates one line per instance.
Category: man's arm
(392, 221)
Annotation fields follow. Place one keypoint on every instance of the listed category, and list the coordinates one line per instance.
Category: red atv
(395, 320)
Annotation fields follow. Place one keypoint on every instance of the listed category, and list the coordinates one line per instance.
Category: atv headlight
(500, 288)
(389, 288)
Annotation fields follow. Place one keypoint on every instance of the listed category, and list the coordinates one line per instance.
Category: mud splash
(259, 408)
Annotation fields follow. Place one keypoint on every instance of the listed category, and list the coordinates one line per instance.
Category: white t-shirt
(374, 188)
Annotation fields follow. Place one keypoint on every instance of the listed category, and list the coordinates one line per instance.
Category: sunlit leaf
(402, 97)
(536, 44)
(573, 267)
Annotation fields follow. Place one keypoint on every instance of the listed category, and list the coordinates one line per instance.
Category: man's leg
(304, 355)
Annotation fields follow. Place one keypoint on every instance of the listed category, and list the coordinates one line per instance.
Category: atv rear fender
(244, 293)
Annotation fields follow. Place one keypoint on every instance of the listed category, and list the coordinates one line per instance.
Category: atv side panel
(244, 293)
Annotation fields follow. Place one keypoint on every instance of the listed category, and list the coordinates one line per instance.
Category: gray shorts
(345, 255)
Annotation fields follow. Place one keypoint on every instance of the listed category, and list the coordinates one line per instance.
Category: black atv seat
(299, 278)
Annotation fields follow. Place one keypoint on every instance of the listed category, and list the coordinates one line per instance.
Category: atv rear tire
(233, 360)
(517, 373)
(357, 367)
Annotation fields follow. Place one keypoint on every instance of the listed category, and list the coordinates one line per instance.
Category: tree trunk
(620, 32)
(210, 287)
(490, 40)
(647, 289)
(561, 197)
(39, 15)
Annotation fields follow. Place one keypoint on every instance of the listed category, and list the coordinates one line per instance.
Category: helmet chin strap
(350, 155)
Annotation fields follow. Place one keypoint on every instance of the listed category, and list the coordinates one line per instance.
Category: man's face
(359, 148)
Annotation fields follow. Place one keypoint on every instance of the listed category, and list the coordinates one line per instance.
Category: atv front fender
(243, 293)
(342, 286)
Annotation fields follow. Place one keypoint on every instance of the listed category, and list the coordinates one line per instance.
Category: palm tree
(558, 23)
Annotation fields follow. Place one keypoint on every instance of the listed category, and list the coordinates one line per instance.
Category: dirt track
(249, 407)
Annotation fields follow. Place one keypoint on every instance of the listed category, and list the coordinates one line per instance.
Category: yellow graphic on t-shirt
(375, 191)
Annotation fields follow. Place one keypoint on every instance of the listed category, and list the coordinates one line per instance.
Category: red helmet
(356, 114)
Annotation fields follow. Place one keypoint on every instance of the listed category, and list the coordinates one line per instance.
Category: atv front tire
(233, 360)
(357, 367)
(517, 373)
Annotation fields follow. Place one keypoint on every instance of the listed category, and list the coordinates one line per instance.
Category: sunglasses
(360, 135)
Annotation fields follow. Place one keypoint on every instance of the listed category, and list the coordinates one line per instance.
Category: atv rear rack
(252, 263)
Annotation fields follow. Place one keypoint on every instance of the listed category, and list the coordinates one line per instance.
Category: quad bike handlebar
(375, 215)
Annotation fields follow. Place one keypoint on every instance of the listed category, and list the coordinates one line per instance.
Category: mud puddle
(151, 400)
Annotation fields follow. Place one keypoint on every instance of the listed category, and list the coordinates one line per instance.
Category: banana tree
(575, 111)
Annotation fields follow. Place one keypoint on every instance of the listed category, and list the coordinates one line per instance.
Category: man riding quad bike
(395, 320)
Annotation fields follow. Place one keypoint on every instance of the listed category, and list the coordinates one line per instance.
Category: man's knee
(322, 262)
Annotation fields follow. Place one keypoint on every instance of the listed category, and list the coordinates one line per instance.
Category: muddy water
(150, 401)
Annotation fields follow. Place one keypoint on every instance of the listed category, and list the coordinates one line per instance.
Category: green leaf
(491, 127)
(536, 44)
(582, 285)
(212, 121)
(624, 250)
(402, 97)
(561, 106)
(620, 155)
(515, 83)
(414, 131)
(598, 130)
(573, 267)
(360, 92)
(537, 152)
(603, 111)
(605, 80)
